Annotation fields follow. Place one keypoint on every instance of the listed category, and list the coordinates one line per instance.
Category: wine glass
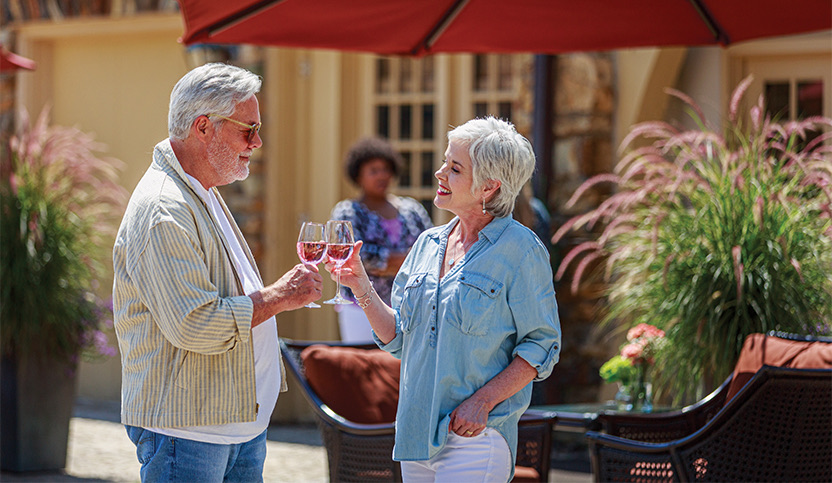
(339, 245)
(311, 247)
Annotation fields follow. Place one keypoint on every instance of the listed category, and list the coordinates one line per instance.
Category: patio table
(583, 417)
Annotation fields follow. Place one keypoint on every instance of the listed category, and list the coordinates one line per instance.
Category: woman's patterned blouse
(367, 226)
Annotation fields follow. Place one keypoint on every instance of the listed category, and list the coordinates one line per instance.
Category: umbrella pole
(542, 129)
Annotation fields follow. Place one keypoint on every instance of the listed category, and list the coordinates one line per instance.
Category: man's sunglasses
(253, 129)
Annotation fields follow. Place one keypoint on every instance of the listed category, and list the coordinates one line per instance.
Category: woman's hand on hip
(470, 418)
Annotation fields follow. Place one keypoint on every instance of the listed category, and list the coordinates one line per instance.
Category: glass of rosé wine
(339, 245)
(311, 247)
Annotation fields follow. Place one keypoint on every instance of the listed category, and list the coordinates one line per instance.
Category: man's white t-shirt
(264, 337)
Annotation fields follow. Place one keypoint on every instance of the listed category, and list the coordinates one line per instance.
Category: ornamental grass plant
(712, 237)
(59, 206)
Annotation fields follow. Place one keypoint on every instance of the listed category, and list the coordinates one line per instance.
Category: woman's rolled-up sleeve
(535, 311)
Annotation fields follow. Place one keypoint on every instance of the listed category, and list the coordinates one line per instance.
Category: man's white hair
(213, 88)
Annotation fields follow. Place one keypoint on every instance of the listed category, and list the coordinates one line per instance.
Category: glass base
(312, 305)
(338, 300)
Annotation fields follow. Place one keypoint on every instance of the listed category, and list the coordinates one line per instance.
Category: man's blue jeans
(182, 460)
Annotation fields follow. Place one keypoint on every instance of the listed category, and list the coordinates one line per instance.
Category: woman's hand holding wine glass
(339, 247)
(334, 243)
(351, 273)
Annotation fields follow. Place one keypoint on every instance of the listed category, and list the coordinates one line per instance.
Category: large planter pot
(37, 397)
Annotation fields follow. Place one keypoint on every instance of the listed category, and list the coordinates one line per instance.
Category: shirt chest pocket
(413, 299)
(479, 302)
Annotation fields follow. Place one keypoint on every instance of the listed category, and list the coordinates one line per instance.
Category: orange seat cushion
(759, 350)
(361, 385)
(525, 474)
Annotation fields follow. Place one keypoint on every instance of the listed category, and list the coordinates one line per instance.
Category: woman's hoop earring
(483, 207)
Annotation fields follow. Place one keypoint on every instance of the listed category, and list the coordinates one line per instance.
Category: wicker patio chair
(666, 426)
(362, 450)
(680, 427)
(791, 350)
(777, 428)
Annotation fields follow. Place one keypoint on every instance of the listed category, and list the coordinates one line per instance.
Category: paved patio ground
(99, 451)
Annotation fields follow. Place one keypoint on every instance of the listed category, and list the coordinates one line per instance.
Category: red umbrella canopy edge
(407, 27)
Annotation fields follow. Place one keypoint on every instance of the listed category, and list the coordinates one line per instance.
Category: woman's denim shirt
(455, 334)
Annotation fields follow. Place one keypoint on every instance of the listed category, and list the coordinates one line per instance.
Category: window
(794, 98)
(792, 75)
(412, 99)
(795, 86)
(496, 85)
(406, 101)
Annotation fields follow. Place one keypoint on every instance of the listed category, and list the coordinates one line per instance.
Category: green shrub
(59, 204)
(713, 237)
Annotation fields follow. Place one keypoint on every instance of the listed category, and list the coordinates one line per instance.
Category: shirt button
(433, 307)
(433, 328)
(492, 290)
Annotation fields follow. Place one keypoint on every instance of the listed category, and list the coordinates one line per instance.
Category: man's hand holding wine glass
(297, 287)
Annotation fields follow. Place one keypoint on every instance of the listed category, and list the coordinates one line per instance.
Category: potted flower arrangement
(620, 370)
(713, 236)
(630, 368)
(58, 206)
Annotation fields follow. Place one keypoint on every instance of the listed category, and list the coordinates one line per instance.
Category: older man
(201, 367)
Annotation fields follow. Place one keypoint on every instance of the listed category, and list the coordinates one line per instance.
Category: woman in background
(386, 224)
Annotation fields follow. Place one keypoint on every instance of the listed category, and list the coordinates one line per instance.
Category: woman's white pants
(483, 458)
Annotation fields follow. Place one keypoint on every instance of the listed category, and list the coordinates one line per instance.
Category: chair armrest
(659, 427)
(347, 426)
(799, 337)
(617, 442)
(535, 416)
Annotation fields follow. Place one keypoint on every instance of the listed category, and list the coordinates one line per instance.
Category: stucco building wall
(113, 76)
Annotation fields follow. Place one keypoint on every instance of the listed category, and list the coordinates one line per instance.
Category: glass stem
(338, 283)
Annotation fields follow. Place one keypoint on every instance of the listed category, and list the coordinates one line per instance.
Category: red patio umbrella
(418, 27)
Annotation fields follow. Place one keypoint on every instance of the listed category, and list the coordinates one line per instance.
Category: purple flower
(102, 345)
